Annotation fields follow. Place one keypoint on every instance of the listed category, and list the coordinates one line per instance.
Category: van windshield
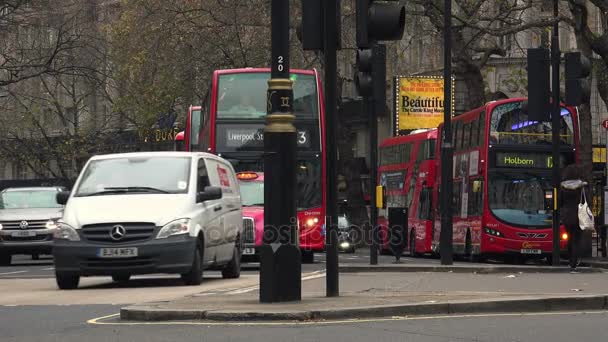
(135, 175)
(25, 199)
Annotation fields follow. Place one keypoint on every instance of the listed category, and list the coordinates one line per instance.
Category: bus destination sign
(532, 160)
(250, 137)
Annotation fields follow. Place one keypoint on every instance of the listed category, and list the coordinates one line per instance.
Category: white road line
(48, 269)
(15, 272)
(100, 320)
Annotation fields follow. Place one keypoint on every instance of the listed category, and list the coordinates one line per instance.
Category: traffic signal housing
(379, 20)
(578, 68)
(539, 90)
(370, 77)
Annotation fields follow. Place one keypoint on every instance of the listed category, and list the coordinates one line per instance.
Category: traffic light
(578, 67)
(539, 91)
(363, 75)
(370, 78)
(379, 20)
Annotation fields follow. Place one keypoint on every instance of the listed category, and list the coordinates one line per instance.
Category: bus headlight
(176, 227)
(65, 232)
(493, 232)
(312, 221)
(564, 236)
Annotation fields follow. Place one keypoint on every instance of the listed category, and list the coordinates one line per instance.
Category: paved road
(68, 323)
(24, 267)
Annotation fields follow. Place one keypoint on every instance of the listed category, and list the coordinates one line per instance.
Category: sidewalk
(375, 294)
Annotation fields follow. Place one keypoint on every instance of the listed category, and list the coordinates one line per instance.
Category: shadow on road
(143, 283)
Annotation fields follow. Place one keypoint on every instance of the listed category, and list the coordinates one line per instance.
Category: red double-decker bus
(407, 171)
(231, 122)
(502, 189)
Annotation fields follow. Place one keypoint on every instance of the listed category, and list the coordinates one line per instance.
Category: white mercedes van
(150, 212)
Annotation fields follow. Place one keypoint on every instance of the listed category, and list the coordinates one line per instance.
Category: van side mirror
(62, 197)
(210, 193)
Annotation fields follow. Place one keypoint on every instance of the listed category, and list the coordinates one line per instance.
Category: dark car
(27, 221)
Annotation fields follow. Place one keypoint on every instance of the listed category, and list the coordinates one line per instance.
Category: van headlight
(65, 232)
(50, 224)
(177, 227)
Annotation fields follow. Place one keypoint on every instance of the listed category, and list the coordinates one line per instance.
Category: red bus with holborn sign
(231, 123)
(407, 171)
(502, 190)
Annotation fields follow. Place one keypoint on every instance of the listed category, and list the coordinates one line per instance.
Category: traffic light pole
(447, 152)
(331, 127)
(280, 260)
(373, 161)
(555, 128)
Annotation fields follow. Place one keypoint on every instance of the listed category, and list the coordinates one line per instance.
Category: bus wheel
(413, 244)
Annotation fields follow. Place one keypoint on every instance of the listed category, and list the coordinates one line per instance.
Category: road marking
(15, 272)
(48, 269)
(100, 320)
(310, 276)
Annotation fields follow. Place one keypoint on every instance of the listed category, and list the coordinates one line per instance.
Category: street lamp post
(555, 128)
(446, 144)
(280, 260)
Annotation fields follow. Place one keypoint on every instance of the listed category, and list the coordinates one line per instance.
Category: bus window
(482, 128)
(510, 125)
(475, 205)
(243, 95)
(196, 128)
(475, 133)
(424, 205)
(455, 135)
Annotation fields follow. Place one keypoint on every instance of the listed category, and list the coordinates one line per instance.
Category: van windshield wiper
(137, 189)
(124, 189)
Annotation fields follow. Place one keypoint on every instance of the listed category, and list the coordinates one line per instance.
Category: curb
(515, 305)
(463, 269)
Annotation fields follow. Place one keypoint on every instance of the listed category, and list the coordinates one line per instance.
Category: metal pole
(331, 132)
(447, 153)
(556, 125)
(373, 162)
(280, 260)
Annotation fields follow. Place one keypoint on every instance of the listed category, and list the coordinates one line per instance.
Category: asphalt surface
(32, 309)
(23, 267)
(69, 323)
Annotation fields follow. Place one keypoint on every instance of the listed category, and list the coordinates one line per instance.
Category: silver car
(27, 221)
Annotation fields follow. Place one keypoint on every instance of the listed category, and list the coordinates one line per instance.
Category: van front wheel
(67, 281)
(195, 275)
(233, 269)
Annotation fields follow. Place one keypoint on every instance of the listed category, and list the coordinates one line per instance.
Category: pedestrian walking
(398, 233)
(571, 189)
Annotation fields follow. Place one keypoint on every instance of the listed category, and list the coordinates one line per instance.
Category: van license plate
(23, 233)
(249, 251)
(531, 251)
(126, 252)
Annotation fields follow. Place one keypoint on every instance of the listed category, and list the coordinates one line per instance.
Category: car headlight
(50, 224)
(344, 244)
(64, 231)
(176, 227)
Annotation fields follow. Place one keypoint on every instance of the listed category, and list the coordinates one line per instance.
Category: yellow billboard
(419, 102)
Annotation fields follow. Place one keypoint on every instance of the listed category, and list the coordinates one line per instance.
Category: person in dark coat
(570, 196)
